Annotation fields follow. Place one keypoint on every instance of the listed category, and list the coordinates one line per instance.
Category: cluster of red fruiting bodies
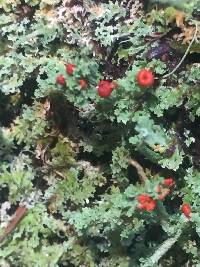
(105, 88)
(147, 203)
(60, 79)
(144, 78)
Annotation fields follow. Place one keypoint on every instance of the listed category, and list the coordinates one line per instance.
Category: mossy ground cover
(99, 133)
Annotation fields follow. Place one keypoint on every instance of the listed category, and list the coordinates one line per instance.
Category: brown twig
(140, 171)
(60, 174)
(18, 216)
